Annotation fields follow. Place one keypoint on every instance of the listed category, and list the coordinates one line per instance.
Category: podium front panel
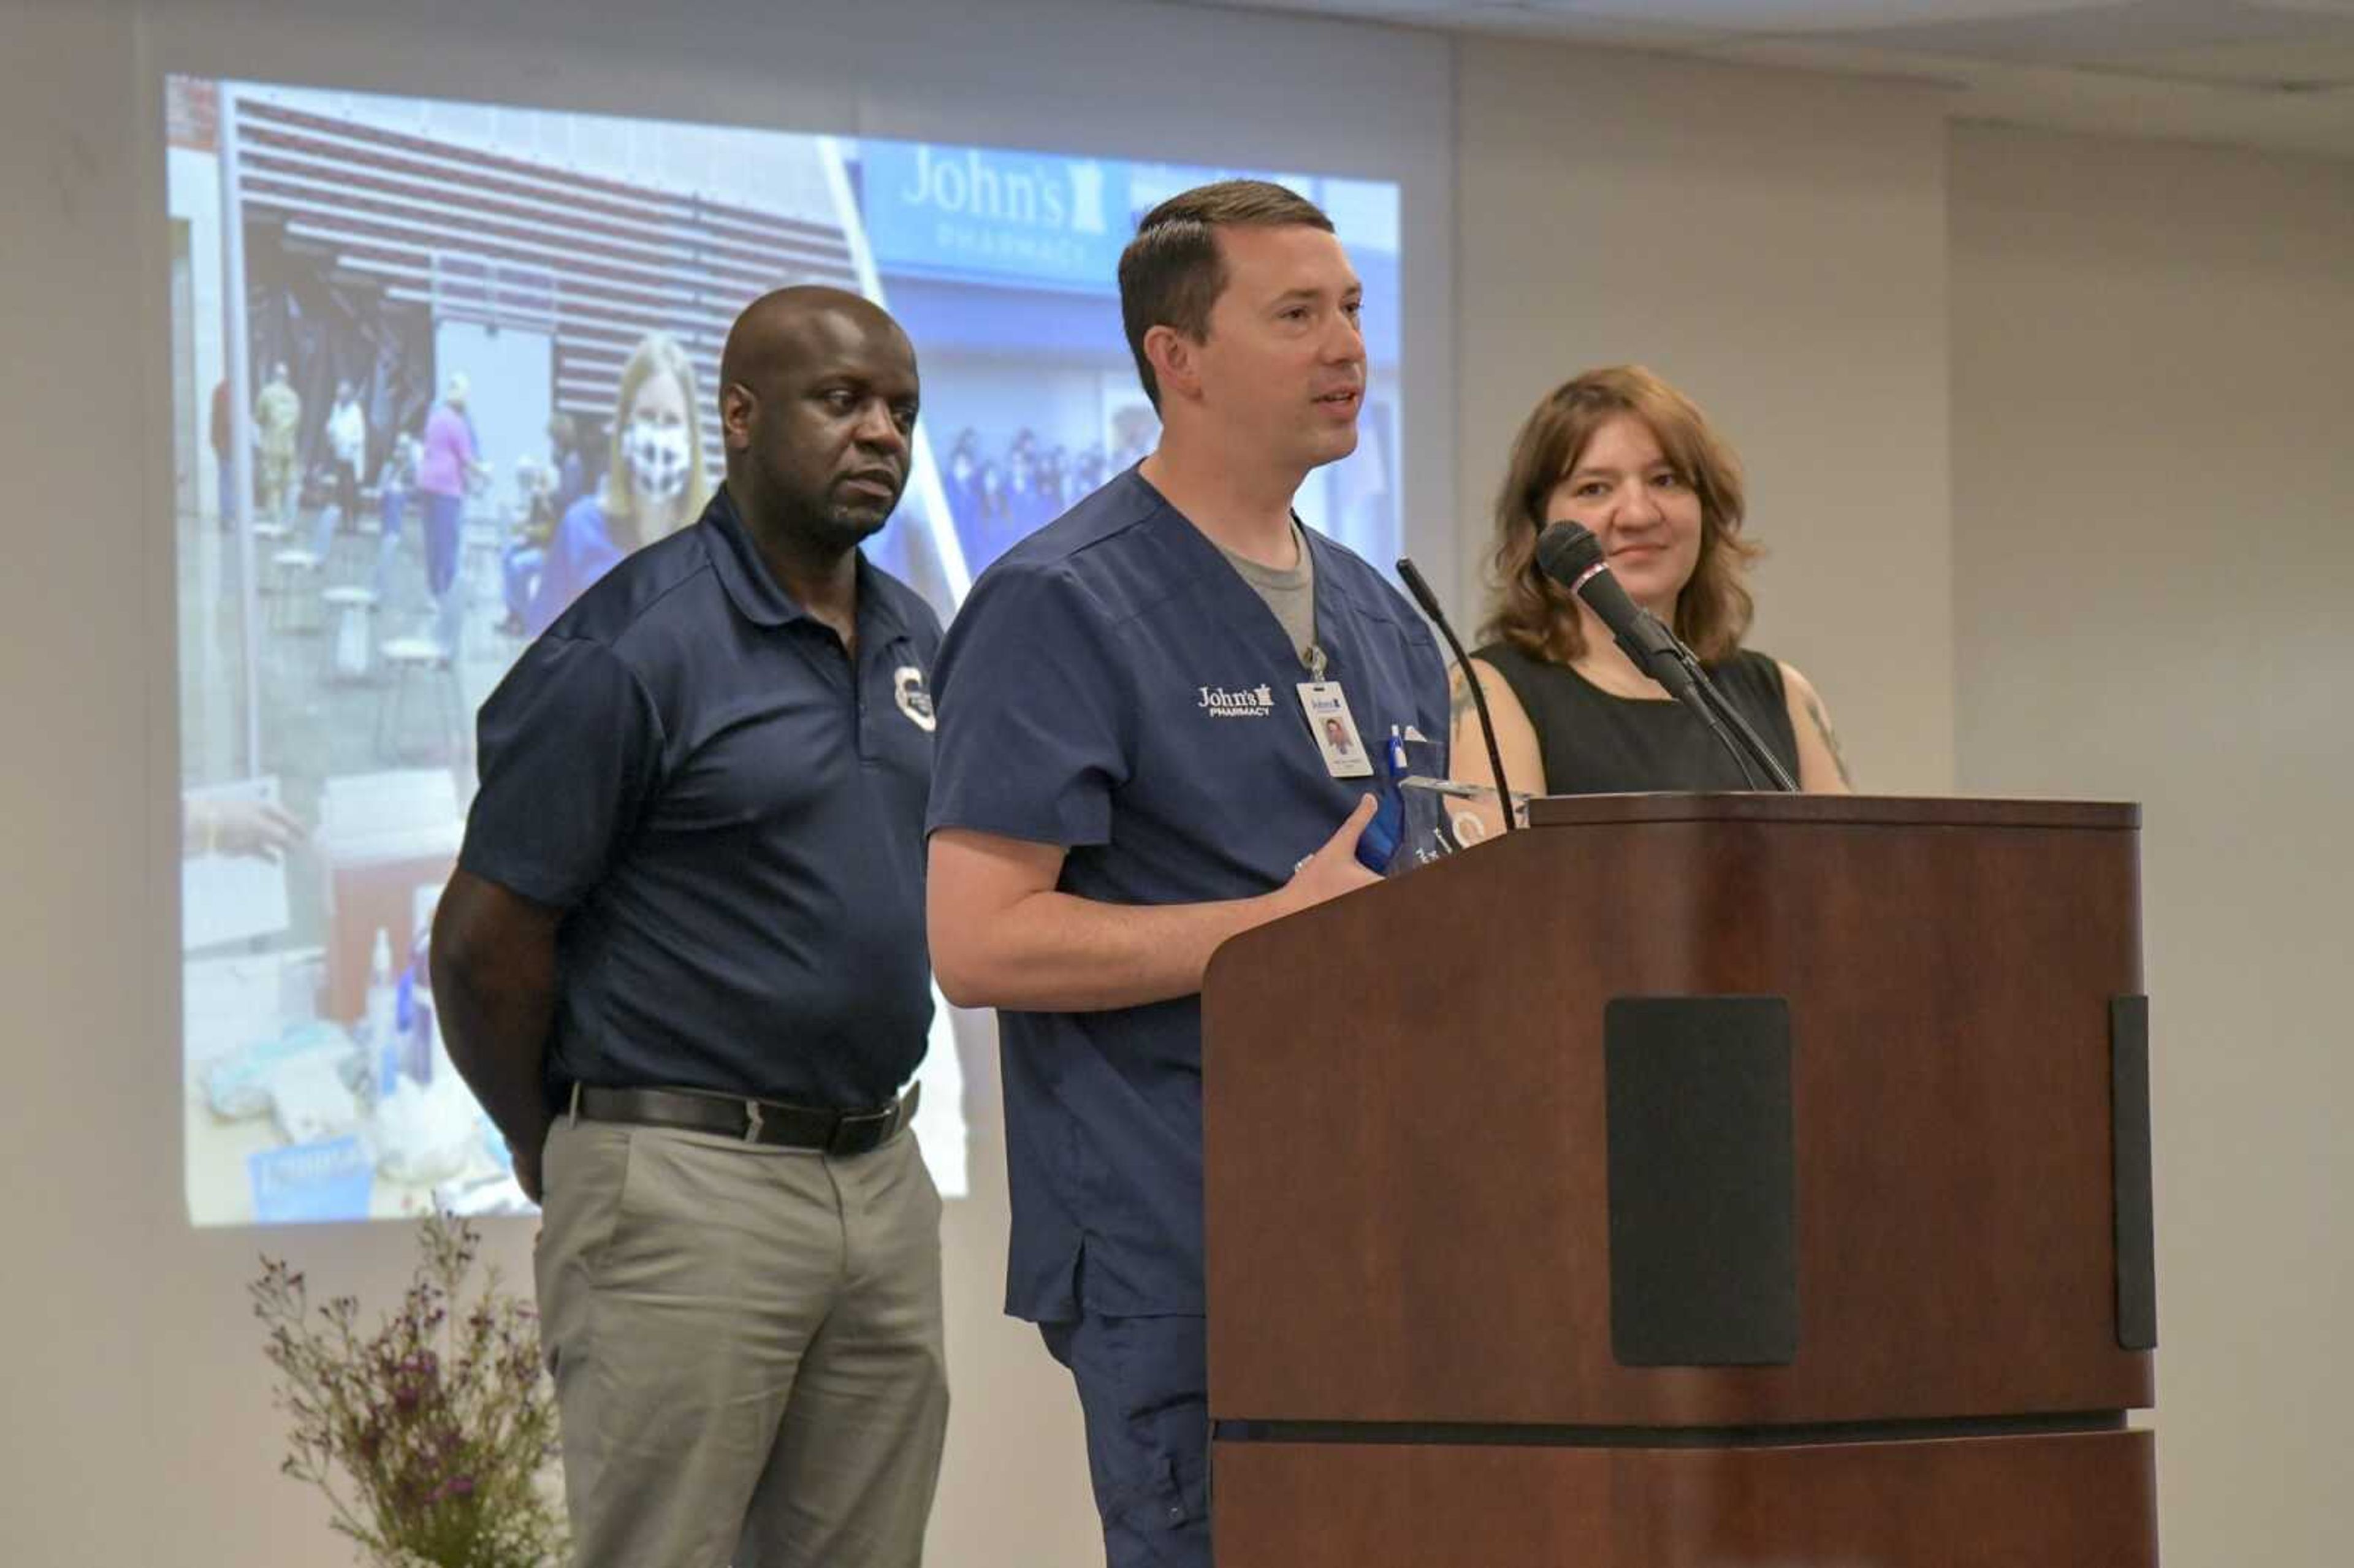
(1407, 1116)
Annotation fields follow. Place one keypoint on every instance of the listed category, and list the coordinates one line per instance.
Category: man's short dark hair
(1172, 273)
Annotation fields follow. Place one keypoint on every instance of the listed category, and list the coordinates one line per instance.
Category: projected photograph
(411, 342)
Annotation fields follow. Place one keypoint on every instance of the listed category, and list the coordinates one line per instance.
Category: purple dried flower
(386, 1416)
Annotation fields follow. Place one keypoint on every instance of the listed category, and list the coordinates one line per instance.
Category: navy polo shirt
(731, 818)
(1114, 686)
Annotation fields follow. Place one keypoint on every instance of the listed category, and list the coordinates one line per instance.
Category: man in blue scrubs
(1133, 768)
(682, 964)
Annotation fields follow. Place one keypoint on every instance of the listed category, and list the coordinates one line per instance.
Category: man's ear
(1176, 362)
(737, 402)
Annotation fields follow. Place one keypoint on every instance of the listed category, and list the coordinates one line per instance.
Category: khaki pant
(278, 484)
(746, 1349)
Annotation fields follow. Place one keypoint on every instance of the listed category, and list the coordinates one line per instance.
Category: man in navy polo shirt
(681, 963)
(1133, 766)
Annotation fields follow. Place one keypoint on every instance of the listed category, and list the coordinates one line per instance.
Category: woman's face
(658, 442)
(660, 401)
(1623, 488)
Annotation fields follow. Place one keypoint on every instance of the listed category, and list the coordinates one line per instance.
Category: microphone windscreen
(1567, 551)
(1410, 576)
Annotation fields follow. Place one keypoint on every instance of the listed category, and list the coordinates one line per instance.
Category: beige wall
(1777, 244)
(91, 1346)
(2154, 544)
(1773, 244)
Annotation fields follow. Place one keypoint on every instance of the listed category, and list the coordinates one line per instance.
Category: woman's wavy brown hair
(1538, 615)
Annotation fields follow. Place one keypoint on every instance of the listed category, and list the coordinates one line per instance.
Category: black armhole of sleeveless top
(1750, 679)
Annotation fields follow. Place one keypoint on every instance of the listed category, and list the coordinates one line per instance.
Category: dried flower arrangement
(441, 1421)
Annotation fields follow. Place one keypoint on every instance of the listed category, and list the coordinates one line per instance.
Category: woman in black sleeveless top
(1627, 455)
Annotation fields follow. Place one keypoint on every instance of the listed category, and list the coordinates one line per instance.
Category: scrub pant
(441, 519)
(1144, 1387)
(520, 579)
(441, 515)
(278, 484)
(747, 1348)
(390, 545)
(347, 489)
(323, 530)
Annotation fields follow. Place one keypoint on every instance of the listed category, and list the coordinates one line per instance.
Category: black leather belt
(752, 1120)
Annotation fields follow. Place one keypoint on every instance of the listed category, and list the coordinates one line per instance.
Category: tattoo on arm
(1458, 697)
(1830, 739)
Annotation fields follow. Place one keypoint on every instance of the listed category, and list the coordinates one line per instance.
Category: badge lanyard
(1334, 729)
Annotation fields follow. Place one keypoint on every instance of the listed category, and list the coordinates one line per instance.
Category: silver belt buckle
(751, 1121)
(877, 1119)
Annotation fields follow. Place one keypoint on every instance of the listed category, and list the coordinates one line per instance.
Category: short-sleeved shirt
(731, 816)
(448, 451)
(1114, 687)
(580, 551)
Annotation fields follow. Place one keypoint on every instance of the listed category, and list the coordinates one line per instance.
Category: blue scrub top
(1112, 685)
(731, 816)
(580, 551)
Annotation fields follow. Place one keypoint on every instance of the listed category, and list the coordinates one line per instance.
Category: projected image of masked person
(224, 437)
(558, 487)
(655, 484)
(681, 965)
(347, 449)
(1129, 775)
(394, 483)
(446, 466)
(569, 461)
(277, 421)
(1620, 451)
(346, 437)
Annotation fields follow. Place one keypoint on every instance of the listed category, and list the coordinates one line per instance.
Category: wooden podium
(1721, 1181)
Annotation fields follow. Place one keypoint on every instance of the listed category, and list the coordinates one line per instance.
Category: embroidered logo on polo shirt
(907, 691)
(1256, 702)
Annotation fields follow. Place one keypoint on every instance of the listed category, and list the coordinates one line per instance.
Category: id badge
(1329, 722)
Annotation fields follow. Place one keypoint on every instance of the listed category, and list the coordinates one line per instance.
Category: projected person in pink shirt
(446, 466)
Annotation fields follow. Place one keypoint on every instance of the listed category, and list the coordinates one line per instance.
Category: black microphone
(1429, 603)
(1571, 556)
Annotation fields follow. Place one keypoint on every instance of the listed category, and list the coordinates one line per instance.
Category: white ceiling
(2275, 74)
